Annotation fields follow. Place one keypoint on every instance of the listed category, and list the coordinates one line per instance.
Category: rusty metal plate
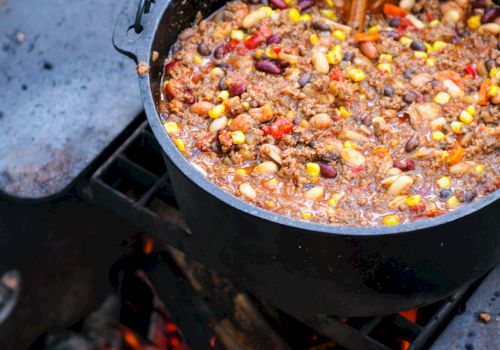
(65, 93)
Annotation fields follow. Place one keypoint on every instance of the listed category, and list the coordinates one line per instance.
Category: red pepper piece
(254, 41)
(471, 70)
(232, 45)
(391, 10)
(278, 128)
(336, 74)
(405, 23)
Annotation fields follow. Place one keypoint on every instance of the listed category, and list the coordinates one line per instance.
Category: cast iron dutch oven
(300, 266)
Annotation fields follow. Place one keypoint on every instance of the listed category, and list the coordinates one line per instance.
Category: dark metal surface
(64, 92)
(467, 331)
(301, 266)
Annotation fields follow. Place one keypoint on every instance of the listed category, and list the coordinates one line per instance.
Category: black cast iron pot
(299, 266)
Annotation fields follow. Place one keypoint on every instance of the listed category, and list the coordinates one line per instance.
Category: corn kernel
(180, 144)
(344, 112)
(391, 220)
(453, 202)
(335, 55)
(431, 61)
(270, 53)
(238, 137)
(305, 17)
(307, 215)
(313, 169)
(374, 29)
(444, 156)
(350, 144)
(314, 39)
(330, 3)
(334, 199)
(405, 41)
(494, 72)
(438, 45)
(466, 117)
(385, 67)
(434, 23)
(429, 47)
(356, 75)
(471, 110)
(241, 172)
(216, 111)
(442, 98)
(474, 22)
(456, 127)
(438, 136)
(413, 200)
(259, 53)
(198, 59)
(288, 2)
(223, 95)
(493, 90)
(444, 182)
(479, 168)
(328, 14)
(420, 54)
(294, 15)
(385, 58)
(246, 105)
(338, 34)
(171, 128)
(267, 10)
(237, 35)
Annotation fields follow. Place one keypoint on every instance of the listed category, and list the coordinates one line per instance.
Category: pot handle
(133, 26)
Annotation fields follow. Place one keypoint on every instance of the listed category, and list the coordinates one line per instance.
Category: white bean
(248, 191)
(218, 124)
(401, 186)
(314, 193)
(267, 167)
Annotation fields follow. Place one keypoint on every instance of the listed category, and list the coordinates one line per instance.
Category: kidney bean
(404, 164)
(322, 27)
(203, 50)
(490, 15)
(274, 39)
(223, 84)
(305, 78)
(470, 195)
(237, 87)
(220, 51)
(348, 56)
(305, 4)
(395, 22)
(268, 67)
(418, 46)
(479, 4)
(411, 144)
(279, 4)
(489, 65)
(327, 171)
(369, 50)
(410, 96)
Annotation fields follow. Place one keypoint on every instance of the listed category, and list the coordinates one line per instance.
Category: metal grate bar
(407, 329)
(368, 327)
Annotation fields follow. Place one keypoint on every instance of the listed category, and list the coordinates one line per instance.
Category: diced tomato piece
(254, 41)
(471, 70)
(336, 74)
(232, 45)
(358, 169)
(278, 128)
(405, 23)
(391, 10)
(277, 50)
(367, 37)
(456, 154)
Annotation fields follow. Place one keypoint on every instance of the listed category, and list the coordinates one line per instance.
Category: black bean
(226, 66)
(435, 83)
(418, 46)
(305, 4)
(274, 39)
(408, 73)
(456, 39)
(348, 56)
(490, 15)
(322, 27)
(412, 143)
(220, 51)
(479, 4)
(394, 35)
(327, 171)
(223, 84)
(268, 67)
(410, 96)
(489, 65)
(330, 156)
(469, 195)
(279, 4)
(305, 78)
(446, 193)
(395, 22)
(388, 91)
(203, 50)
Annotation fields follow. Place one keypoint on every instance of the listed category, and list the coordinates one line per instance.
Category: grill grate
(134, 183)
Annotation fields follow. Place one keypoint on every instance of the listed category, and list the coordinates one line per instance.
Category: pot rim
(195, 176)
